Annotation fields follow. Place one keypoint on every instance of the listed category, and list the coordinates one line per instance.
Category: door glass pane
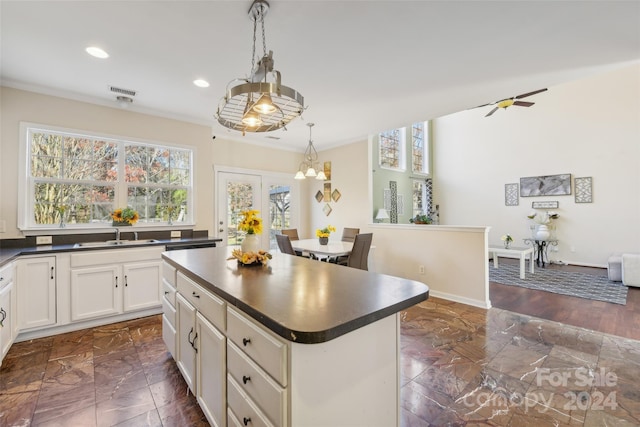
(239, 198)
(279, 211)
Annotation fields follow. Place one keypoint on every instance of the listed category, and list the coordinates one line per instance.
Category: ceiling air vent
(127, 92)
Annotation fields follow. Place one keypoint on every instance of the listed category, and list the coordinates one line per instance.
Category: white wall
(588, 128)
(18, 105)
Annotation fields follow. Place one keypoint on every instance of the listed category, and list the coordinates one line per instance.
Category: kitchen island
(297, 343)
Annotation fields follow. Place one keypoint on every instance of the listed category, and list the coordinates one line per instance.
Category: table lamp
(382, 215)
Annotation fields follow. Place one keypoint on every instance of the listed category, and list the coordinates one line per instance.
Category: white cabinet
(107, 283)
(169, 312)
(8, 326)
(36, 292)
(201, 347)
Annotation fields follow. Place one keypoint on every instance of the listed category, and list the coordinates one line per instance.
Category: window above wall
(77, 178)
(420, 143)
(391, 145)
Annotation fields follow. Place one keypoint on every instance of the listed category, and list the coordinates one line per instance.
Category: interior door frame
(267, 178)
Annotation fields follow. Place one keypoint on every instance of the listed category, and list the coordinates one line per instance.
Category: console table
(541, 247)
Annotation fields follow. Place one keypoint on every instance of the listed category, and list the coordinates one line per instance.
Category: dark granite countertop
(9, 254)
(302, 300)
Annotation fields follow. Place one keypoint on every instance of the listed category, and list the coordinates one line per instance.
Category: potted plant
(323, 234)
(421, 219)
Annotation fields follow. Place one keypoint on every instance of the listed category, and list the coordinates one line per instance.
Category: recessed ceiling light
(97, 52)
(201, 83)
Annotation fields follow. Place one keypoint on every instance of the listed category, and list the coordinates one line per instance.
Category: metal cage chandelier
(259, 103)
(310, 167)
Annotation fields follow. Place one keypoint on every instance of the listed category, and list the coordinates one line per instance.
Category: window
(422, 197)
(391, 149)
(420, 147)
(88, 176)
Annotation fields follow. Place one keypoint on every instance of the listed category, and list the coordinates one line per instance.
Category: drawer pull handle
(245, 379)
(245, 341)
(166, 292)
(52, 272)
(4, 316)
(194, 343)
(246, 421)
(125, 281)
(116, 281)
(195, 295)
(189, 337)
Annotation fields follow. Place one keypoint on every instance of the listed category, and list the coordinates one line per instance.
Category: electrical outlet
(421, 269)
(177, 233)
(43, 240)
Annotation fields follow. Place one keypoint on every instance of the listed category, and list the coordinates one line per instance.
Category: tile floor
(461, 366)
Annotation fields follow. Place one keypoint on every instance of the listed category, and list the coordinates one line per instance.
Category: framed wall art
(319, 196)
(584, 189)
(545, 205)
(327, 192)
(550, 185)
(511, 194)
(327, 170)
(327, 209)
(336, 195)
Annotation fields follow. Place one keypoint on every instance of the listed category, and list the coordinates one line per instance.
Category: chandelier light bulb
(265, 105)
(251, 119)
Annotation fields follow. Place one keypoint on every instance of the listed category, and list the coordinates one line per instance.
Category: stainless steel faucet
(117, 234)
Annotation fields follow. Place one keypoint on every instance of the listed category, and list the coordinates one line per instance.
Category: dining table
(331, 249)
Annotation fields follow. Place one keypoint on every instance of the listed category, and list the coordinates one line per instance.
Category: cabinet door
(142, 282)
(211, 371)
(186, 331)
(36, 291)
(95, 292)
(6, 319)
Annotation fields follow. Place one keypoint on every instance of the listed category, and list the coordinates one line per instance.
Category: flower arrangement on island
(250, 258)
(325, 232)
(124, 216)
(251, 223)
(543, 218)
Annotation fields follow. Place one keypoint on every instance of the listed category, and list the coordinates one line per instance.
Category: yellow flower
(251, 223)
(127, 215)
(325, 232)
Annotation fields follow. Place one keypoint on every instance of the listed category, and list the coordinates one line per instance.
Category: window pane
(417, 133)
(136, 161)
(390, 147)
(239, 198)
(279, 211)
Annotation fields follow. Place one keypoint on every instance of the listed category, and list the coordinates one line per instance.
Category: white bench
(520, 252)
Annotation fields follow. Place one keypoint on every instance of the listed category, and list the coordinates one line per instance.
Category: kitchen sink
(110, 243)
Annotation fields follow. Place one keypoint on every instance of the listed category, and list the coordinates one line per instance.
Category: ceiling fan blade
(492, 111)
(530, 93)
(523, 103)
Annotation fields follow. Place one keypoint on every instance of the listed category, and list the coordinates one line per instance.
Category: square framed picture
(336, 195)
(319, 196)
(327, 209)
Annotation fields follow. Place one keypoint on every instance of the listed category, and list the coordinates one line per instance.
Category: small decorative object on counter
(421, 219)
(248, 259)
(124, 217)
(507, 239)
(61, 211)
(252, 225)
(323, 234)
(170, 211)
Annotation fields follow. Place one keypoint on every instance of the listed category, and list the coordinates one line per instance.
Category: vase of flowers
(543, 221)
(124, 217)
(251, 224)
(507, 239)
(61, 211)
(323, 234)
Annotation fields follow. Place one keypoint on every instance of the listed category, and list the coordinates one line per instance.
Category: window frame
(426, 149)
(27, 182)
(402, 156)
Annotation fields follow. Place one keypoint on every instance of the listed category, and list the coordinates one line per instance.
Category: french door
(274, 195)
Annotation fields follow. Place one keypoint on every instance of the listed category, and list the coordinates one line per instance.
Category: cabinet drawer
(261, 345)
(243, 408)
(6, 274)
(264, 391)
(211, 307)
(169, 336)
(169, 274)
(169, 292)
(169, 311)
(115, 256)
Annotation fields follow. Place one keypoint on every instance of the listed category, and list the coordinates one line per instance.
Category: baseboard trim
(76, 326)
(461, 300)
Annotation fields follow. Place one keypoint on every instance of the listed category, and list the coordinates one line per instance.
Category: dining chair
(291, 232)
(284, 244)
(360, 252)
(348, 235)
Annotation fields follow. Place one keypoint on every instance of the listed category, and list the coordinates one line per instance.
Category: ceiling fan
(508, 102)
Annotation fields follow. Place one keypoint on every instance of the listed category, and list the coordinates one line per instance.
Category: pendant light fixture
(259, 103)
(310, 166)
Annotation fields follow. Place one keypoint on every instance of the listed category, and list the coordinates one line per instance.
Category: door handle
(116, 281)
(52, 272)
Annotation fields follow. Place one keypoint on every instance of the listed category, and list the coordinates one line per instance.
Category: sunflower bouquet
(124, 216)
(251, 222)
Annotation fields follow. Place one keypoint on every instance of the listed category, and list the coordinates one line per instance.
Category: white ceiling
(362, 66)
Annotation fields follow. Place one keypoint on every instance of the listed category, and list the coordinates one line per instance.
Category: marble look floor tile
(169, 390)
(85, 417)
(72, 343)
(123, 406)
(518, 362)
(183, 412)
(422, 402)
(119, 372)
(148, 419)
(16, 409)
(112, 341)
(21, 380)
(59, 400)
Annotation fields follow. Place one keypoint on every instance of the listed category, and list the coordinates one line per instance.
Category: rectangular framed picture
(511, 194)
(327, 192)
(584, 189)
(545, 205)
(550, 185)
